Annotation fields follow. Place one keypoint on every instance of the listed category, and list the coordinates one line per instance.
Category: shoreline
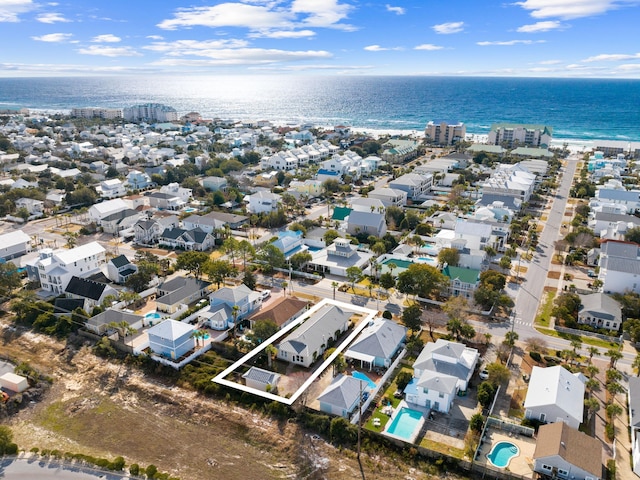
(575, 145)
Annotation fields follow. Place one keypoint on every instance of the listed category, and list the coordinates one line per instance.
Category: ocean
(575, 108)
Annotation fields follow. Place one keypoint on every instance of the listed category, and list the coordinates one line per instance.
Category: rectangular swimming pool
(406, 424)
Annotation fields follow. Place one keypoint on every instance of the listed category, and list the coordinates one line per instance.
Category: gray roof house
(600, 311)
(370, 223)
(261, 379)
(634, 422)
(342, 395)
(120, 268)
(378, 343)
(308, 342)
(619, 266)
(100, 323)
(241, 296)
(180, 291)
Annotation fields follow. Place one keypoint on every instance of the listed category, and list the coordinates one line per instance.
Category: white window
(546, 467)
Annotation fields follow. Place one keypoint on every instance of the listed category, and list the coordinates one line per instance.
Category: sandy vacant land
(105, 409)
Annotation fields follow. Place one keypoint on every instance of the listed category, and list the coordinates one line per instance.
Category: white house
(33, 206)
(111, 188)
(563, 452)
(600, 311)
(555, 395)
(389, 196)
(261, 379)
(619, 266)
(414, 184)
(441, 370)
(263, 202)
(14, 244)
(54, 269)
(242, 297)
(370, 223)
(100, 210)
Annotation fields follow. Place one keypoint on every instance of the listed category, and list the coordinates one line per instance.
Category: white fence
(177, 365)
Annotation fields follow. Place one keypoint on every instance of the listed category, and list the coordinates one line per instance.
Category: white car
(264, 294)
(484, 374)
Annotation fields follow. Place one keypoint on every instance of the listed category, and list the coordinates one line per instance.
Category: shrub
(387, 315)
(151, 470)
(611, 469)
(134, 469)
(535, 356)
(610, 431)
(476, 422)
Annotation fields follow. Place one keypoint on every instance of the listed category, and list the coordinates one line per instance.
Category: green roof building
(462, 281)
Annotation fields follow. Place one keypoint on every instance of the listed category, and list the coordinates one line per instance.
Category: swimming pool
(406, 424)
(429, 260)
(152, 315)
(399, 262)
(364, 378)
(502, 453)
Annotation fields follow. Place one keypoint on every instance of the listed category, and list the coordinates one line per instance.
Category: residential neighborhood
(475, 302)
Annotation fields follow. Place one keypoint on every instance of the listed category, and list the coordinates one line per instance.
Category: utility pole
(359, 418)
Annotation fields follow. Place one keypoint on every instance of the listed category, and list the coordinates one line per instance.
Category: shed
(13, 382)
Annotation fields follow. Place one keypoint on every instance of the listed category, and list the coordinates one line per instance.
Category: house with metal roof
(101, 323)
(93, 293)
(171, 339)
(243, 297)
(369, 223)
(441, 370)
(414, 184)
(600, 311)
(14, 244)
(377, 344)
(195, 239)
(619, 266)
(261, 379)
(305, 344)
(565, 452)
(342, 396)
(462, 281)
(555, 395)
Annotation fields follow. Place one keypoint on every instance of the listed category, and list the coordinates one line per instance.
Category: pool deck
(417, 430)
(522, 464)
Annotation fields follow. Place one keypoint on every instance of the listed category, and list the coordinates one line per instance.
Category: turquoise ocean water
(575, 108)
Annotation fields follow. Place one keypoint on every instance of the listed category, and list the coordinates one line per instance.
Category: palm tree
(614, 356)
(576, 343)
(592, 384)
(334, 285)
(510, 338)
(613, 410)
(391, 266)
(271, 352)
(592, 370)
(235, 310)
(285, 284)
(592, 405)
(592, 351)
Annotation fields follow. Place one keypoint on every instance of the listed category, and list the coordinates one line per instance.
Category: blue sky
(553, 38)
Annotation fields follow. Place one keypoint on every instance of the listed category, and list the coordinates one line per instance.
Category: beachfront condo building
(150, 112)
(445, 133)
(515, 134)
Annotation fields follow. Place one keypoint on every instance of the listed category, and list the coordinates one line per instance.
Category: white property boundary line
(369, 315)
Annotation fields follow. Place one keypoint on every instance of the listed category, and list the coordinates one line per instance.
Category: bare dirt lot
(104, 408)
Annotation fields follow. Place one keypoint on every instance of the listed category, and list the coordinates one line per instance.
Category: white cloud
(105, 51)
(194, 47)
(300, 68)
(550, 62)
(378, 48)
(567, 9)
(510, 43)
(629, 67)
(283, 34)
(51, 18)
(612, 57)
(10, 9)
(106, 38)
(428, 46)
(541, 27)
(155, 37)
(263, 17)
(396, 10)
(53, 37)
(448, 28)
(243, 56)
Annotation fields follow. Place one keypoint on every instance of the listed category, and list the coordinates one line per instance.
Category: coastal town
(440, 302)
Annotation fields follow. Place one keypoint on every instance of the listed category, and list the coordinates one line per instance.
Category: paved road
(26, 469)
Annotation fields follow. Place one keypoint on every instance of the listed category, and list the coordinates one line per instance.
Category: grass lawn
(596, 342)
(442, 448)
(543, 318)
(383, 421)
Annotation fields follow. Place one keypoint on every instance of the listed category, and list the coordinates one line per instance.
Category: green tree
(505, 263)
(7, 446)
(592, 405)
(412, 318)
(334, 285)
(486, 392)
(230, 246)
(476, 423)
(246, 250)
(421, 280)
(300, 259)
(510, 338)
(498, 373)
(9, 279)
(271, 257)
(262, 330)
(249, 279)
(402, 379)
(218, 271)
(633, 235)
(329, 236)
(193, 262)
(354, 275)
(340, 431)
(387, 282)
(614, 356)
(449, 256)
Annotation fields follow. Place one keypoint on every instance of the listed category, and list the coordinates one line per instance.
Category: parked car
(264, 294)
(591, 273)
(484, 374)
